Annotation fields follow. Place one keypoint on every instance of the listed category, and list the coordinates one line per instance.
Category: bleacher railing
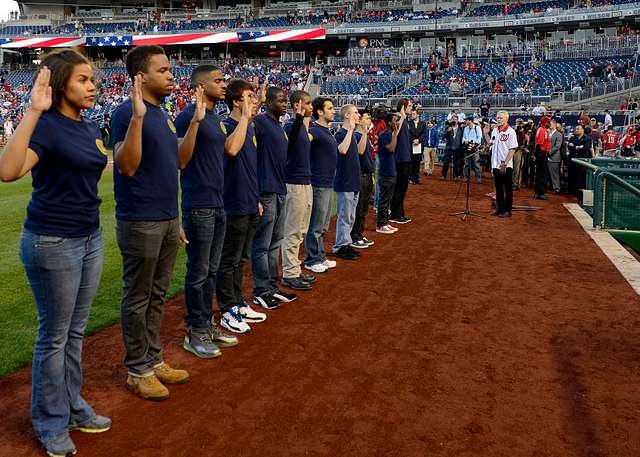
(598, 90)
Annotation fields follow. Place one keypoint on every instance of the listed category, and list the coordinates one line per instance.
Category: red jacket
(543, 140)
(610, 140)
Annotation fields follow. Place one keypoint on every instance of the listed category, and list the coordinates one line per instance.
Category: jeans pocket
(202, 212)
(46, 241)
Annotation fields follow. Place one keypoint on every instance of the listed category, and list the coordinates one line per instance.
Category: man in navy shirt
(272, 160)
(347, 180)
(299, 191)
(323, 170)
(387, 142)
(201, 138)
(241, 203)
(147, 227)
(403, 154)
(366, 184)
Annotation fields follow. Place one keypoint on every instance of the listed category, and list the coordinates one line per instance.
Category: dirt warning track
(478, 338)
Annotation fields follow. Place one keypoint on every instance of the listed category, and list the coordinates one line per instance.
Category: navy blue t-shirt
(272, 154)
(65, 198)
(202, 180)
(348, 167)
(366, 161)
(324, 150)
(298, 170)
(404, 148)
(152, 193)
(386, 158)
(241, 175)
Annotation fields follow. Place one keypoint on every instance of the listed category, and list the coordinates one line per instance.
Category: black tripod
(467, 212)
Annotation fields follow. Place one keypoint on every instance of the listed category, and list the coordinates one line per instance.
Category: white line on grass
(619, 256)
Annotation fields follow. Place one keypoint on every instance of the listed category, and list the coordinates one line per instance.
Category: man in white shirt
(504, 143)
(8, 129)
(539, 110)
(608, 120)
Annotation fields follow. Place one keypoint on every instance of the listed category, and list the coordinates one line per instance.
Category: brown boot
(149, 387)
(168, 375)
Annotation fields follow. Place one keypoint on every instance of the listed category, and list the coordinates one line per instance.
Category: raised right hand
(246, 108)
(298, 108)
(137, 102)
(41, 92)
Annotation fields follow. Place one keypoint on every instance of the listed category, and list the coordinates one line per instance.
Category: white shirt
(502, 143)
(8, 128)
(607, 120)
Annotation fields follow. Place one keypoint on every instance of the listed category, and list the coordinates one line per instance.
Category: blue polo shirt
(386, 158)
(152, 193)
(298, 169)
(366, 161)
(324, 150)
(403, 146)
(202, 180)
(347, 177)
(272, 154)
(65, 200)
(241, 175)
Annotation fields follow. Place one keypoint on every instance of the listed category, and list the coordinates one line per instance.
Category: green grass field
(18, 318)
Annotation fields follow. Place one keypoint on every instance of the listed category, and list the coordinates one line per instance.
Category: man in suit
(417, 130)
(453, 149)
(555, 157)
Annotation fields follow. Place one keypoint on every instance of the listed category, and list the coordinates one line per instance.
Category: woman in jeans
(61, 246)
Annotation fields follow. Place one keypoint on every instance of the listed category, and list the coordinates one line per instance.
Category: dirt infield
(478, 338)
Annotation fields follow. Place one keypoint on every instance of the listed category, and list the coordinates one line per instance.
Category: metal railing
(622, 84)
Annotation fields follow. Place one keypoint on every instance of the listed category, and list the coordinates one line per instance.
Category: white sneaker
(392, 228)
(329, 263)
(317, 268)
(249, 315)
(232, 320)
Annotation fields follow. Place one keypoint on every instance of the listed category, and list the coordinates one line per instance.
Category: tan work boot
(149, 387)
(168, 375)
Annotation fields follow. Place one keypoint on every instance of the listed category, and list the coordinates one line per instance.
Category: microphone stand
(467, 212)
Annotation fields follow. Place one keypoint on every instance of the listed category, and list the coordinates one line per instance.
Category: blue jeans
(63, 274)
(471, 163)
(265, 248)
(318, 225)
(204, 228)
(346, 203)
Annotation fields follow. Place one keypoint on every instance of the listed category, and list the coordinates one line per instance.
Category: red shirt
(629, 140)
(543, 139)
(610, 140)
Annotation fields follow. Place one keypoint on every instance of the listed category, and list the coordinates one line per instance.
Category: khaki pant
(298, 213)
(429, 160)
(517, 167)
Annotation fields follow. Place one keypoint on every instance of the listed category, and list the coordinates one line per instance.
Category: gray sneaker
(201, 345)
(220, 337)
(60, 446)
(97, 424)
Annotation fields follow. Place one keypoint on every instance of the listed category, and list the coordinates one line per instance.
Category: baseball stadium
(320, 228)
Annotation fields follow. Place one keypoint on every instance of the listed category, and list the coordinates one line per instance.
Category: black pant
(504, 189)
(366, 189)
(542, 172)
(577, 178)
(400, 191)
(416, 159)
(149, 250)
(236, 250)
(387, 185)
(448, 155)
(458, 162)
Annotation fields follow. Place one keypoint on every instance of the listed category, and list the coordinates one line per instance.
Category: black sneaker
(404, 220)
(283, 296)
(353, 251)
(505, 214)
(345, 254)
(307, 278)
(368, 241)
(497, 213)
(267, 301)
(296, 283)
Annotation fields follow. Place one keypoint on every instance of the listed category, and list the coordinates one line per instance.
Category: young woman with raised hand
(61, 245)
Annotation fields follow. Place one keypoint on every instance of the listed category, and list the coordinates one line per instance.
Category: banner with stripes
(267, 36)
